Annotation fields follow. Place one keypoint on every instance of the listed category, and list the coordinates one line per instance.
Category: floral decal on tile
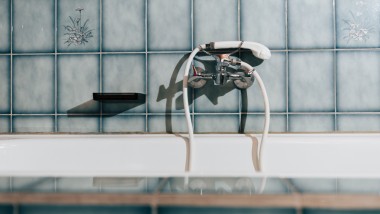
(360, 25)
(77, 33)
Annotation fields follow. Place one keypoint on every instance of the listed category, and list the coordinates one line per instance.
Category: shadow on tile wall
(323, 75)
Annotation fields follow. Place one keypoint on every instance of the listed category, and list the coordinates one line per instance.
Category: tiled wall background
(324, 74)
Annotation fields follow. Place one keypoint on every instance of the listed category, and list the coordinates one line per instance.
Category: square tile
(78, 78)
(358, 123)
(311, 82)
(5, 26)
(5, 184)
(255, 123)
(169, 25)
(5, 125)
(167, 123)
(219, 25)
(125, 73)
(310, 24)
(269, 28)
(33, 84)
(124, 123)
(78, 25)
(358, 81)
(123, 25)
(33, 184)
(5, 84)
(217, 98)
(359, 186)
(33, 27)
(357, 23)
(315, 185)
(33, 124)
(273, 74)
(311, 123)
(71, 184)
(165, 74)
(216, 123)
(78, 124)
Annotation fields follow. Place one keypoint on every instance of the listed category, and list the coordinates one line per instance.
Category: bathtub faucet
(228, 67)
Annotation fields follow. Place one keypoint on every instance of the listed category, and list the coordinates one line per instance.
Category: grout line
(239, 39)
(10, 184)
(11, 71)
(335, 68)
(55, 66)
(286, 66)
(192, 45)
(101, 62)
(146, 66)
(55, 184)
(192, 22)
(187, 51)
(203, 113)
(238, 20)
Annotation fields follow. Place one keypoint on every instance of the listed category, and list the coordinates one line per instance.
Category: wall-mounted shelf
(115, 96)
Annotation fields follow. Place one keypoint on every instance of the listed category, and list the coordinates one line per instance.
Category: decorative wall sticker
(76, 33)
(359, 26)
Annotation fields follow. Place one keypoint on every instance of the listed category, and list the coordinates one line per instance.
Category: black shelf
(116, 96)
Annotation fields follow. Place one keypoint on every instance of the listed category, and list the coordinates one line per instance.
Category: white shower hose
(259, 51)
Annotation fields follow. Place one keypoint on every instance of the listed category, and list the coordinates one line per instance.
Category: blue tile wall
(5, 23)
(323, 75)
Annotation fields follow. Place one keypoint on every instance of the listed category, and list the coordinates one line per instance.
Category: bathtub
(284, 155)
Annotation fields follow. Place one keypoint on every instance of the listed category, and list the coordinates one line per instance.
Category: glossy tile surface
(358, 81)
(219, 25)
(273, 74)
(33, 124)
(33, 26)
(168, 123)
(5, 26)
(263, 21)
(310, 24)
(125, 74)
(123, 25)
(357, 123)
(5, 84)
(357, 25)
(29, 97)
(216, 123)
(78, 78)
(54, 54)
(78, 25)
(169, 25)
(123, 123)
(311, 82)
(255, 123)
(4, 124)
(165, 73)
(311, 123)
(78, 124)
